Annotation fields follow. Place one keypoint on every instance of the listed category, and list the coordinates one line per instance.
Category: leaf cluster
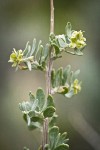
(62, 43)
(57, 141)
(39, 54)
(32, 57)
(63, 81)
(37, 109)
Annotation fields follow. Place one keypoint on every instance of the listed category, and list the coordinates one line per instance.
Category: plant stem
(48, 75)
(52, 17)
(50, 63)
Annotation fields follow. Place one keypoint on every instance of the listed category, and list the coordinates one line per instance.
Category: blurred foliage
(22, 21)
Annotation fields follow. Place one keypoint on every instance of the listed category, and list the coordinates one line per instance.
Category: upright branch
(40, 111)
(48, 74)
(50, 63)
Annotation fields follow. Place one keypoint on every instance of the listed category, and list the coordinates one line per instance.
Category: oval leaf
(41, 98)
(50, 101)
(49, 111)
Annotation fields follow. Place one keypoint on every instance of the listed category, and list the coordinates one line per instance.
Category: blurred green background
(21, 21)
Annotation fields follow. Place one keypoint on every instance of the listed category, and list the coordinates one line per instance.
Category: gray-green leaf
(68, 29)
(49, 111)
(50, 101)
(53, 133)
(41, 98)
